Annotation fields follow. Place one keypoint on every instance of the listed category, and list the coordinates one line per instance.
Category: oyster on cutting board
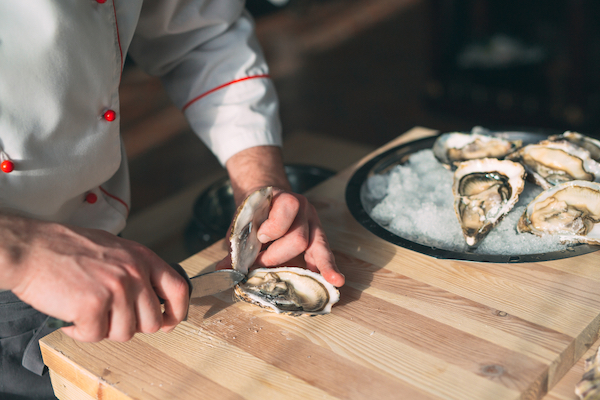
(484, 192)
(588, 387)
(550, 163)
(570, 210)
(455, 147)
(288, 290)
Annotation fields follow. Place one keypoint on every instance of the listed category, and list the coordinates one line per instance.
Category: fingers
(294, 227)
(285, 208)
(171, 287)
(148, 312)
(318, 256)
(292, 244)
(224, 263)
(93, 326)
(106, 285)
(127, 302)
(122, 318)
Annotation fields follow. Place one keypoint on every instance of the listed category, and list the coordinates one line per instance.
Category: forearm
(256, 167)
(13, 249)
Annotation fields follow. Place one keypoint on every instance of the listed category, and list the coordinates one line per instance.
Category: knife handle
(56, 323)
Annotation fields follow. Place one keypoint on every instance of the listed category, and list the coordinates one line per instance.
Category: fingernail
(264, 238)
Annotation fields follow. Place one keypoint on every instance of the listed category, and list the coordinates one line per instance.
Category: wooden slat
(67, 390)
(407, 326)
(565, 388)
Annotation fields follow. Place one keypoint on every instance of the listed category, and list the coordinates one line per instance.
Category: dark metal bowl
(359, 206)
(215, 207)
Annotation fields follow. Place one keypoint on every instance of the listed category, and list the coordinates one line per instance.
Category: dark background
(364, 72)
(403, 69)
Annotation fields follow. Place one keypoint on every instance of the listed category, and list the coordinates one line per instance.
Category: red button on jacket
(91, 198)
(110, 115)
(7, 166)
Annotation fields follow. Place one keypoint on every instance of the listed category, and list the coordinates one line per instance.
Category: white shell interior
(589, 165)
(512, 170)
(311, 287)
(245, 245)
(593, 237)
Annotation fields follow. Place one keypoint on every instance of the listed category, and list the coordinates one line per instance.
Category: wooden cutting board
(408, 326)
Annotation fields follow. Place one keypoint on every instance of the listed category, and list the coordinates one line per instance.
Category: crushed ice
(415, 201)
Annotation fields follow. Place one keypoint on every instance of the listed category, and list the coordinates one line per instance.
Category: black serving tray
(359, 207)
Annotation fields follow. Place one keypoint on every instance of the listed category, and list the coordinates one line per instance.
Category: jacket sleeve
(211, 64)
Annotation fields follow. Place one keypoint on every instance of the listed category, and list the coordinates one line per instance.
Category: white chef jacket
(60, 68)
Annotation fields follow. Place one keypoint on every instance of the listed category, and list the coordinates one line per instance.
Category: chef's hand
(107, 286)
(293, 229)
(292, 235)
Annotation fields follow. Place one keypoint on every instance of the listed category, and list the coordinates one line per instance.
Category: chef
(64, 189)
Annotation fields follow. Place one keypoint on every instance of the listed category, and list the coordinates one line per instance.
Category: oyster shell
(588, 387)
(245, 245)
(590, 144)
(570, 210)
(455, 147)
(550, 163)
(288, 290)
(484, 191)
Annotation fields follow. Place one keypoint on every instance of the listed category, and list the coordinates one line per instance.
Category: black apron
(23, 375)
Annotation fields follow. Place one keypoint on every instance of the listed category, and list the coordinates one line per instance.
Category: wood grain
(407, 326)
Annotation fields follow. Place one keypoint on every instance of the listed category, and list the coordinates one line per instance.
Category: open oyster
(455, 147)
(245, 245)
(590, 144)
(289, 290)
(589, 386)
(484, 191)
(550, 163)
(570, 210)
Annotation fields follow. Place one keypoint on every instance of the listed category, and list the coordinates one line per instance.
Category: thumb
(224, 263)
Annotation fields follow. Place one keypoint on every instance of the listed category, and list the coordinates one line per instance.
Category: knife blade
(200, 285)
(212, 282)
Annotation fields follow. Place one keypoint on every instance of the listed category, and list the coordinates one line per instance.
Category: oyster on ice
(455, 147)
(485, 191)
(590, 144)
(289, 290)
(550, 163)
(570, 210)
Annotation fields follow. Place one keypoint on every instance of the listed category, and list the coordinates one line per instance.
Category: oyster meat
(455, 147)
(289, 290)
(570, 210)
(484, 191)
(245, 245)
(590, 144)
(550, 163)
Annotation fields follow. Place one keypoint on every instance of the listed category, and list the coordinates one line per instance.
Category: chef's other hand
(293, 229)
(107, 286)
